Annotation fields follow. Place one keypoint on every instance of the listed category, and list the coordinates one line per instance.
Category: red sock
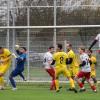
(93, 87)
(81, 85)
(52, 85)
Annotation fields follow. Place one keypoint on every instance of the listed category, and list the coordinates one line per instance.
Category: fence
(38, 26)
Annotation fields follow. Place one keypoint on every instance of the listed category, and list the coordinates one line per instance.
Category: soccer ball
(17, 46)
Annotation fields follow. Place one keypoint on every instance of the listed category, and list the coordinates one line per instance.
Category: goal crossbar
(49, 27)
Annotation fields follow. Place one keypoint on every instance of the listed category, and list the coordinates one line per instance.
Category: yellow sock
(1, 81)
(72, 85)
(57, 84)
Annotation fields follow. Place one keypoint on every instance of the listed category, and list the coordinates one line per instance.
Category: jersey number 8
(61, 60)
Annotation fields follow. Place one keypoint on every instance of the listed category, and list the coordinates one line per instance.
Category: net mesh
(41, 39)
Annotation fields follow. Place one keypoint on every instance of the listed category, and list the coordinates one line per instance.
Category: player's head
(22, 49)
(69, 46)
(1, 50)
(51, 49)
(81, 50)
(90, 52)
(59, 47)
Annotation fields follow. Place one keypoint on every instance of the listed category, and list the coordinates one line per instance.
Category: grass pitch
(39, 92)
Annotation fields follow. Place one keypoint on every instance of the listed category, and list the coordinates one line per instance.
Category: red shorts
(84, 74)
(51, 72)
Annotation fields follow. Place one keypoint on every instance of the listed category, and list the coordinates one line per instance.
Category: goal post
(49, 27)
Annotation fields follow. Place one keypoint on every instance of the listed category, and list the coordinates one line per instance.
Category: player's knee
(10, 77)
(57, 78)
(53, 78)
(94, 79)
(76, 78)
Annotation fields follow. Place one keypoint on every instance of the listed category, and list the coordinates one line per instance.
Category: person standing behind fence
(5, 62)
(20, 63)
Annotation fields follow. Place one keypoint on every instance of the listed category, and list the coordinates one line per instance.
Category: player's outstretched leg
(12, 82)
(83, 80)
(81, 85)
(51, 72)
(53, 87)
(93, 87)
(22, 76)
(72, 85)
(1, 83)
(57, 85)
(94, 80)
(53, 79)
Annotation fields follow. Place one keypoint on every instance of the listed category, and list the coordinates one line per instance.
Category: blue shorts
(16, 72)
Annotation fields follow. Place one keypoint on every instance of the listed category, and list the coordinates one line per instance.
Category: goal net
(37, 39)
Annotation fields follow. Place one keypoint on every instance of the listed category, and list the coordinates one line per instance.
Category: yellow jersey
(60, 59)
(93, 61)
(6, 54)
(72, 55)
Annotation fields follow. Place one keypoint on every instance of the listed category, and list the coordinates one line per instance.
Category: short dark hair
(1, 47)
(69, 44)
(90, 51)
(51, 47)
(82, 48)
(24, 48)
(59, 46)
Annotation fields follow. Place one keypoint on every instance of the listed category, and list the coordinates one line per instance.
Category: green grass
(40, 92)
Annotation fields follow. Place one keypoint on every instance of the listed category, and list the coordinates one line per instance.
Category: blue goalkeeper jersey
(20, 61)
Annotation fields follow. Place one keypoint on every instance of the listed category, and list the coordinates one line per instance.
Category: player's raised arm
(95, 41)
(17, 49)
(6, 59)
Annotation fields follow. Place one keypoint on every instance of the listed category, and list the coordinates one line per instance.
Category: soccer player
(93, 62)
(20, 62)
(85, 71)
(60, 59)
(73, 63)
(97, 39)
(5, 62)
(48, 58)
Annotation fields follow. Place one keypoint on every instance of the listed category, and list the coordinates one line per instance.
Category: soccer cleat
(74, 90)
(95, 91)
(14, 89)
(1, 88)
(60, 87)
(70, 89)
(24, 80)
(57, 91)
(82, 90)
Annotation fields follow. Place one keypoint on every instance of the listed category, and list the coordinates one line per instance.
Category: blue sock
(12, 82)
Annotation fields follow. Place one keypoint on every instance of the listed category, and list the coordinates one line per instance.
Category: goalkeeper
(20, 62)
